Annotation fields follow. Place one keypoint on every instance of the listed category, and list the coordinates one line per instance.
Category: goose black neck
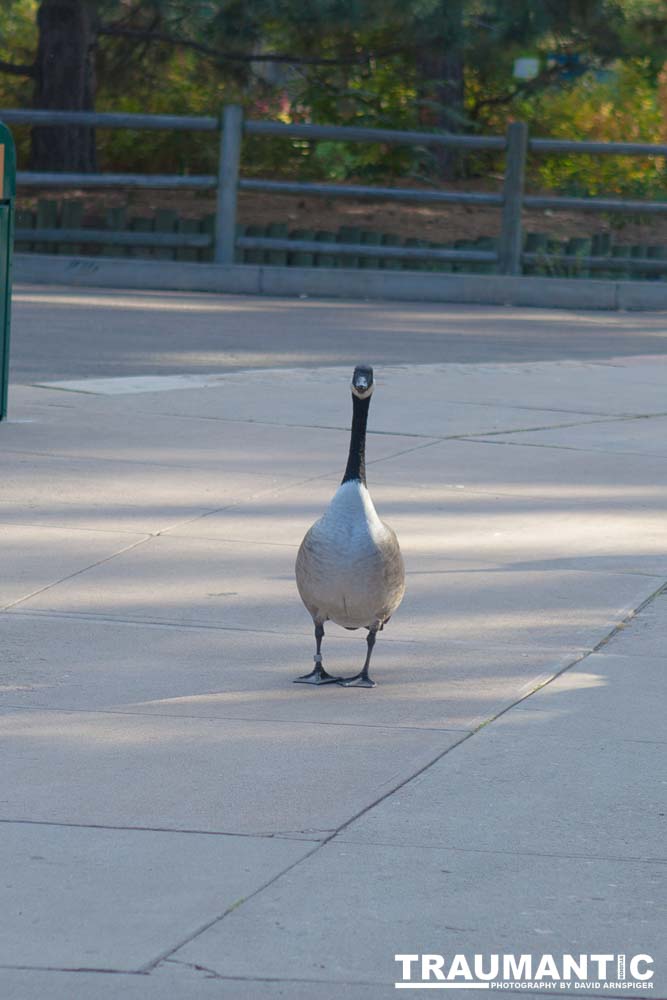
(356, 460)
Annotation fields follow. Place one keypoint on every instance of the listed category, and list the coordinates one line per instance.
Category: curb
(343, 283)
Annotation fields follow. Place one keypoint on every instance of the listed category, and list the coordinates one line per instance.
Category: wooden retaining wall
(68, 214)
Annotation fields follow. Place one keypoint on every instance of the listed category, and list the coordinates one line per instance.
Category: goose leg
(362, 680)
(319, 674)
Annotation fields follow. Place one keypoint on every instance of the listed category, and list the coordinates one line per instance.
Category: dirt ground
(437, 223)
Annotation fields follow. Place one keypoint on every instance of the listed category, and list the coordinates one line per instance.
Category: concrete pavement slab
(563, 390)
(219, 775)
(251, 586)
(285, 398)
(34, 557)
(125, 496)
(646, 435)
(194, 581)
(510, 467)
(478, 530)
(577, 700)
(68, 663)
(204, 445)
(585, 797)
(77, 898)
(520, 532)
(408, 899)
(603, 387)
(453, 398)
(558, 608)
(596, 788)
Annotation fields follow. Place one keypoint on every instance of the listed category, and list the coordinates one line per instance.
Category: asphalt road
(61, 333)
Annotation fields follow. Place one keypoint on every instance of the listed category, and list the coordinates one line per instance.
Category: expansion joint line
(78, 572)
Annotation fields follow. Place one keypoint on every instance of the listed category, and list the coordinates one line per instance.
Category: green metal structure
(7, 194)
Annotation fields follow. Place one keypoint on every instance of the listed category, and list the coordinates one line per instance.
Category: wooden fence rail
(227, 243)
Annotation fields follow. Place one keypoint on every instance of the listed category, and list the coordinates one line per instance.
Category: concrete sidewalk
(180, 821)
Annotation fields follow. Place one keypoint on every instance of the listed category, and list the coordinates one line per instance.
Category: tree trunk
(65, 82)
(440, 68)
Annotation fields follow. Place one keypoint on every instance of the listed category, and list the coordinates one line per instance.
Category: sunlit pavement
(178, 819)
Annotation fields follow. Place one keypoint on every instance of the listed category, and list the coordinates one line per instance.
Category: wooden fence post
(228, 179)
(511, 235)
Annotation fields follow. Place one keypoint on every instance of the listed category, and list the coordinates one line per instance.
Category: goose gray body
(349, 568)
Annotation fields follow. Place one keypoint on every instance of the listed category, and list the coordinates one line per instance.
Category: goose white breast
(349, 567)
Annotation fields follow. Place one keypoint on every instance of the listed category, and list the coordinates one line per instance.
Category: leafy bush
(624, 105)
(18, 38)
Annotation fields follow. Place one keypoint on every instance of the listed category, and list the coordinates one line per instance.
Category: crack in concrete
(564, 447)
(78, 968)
(196, 966)
(624, 859)
(63, 526)
(212, 974)
(231, 718)
(414, 640)
(290, 835)
(594, 417)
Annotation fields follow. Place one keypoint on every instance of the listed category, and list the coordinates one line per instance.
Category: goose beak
(362, 381)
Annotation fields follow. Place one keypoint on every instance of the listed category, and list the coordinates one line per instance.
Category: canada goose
(349, 568)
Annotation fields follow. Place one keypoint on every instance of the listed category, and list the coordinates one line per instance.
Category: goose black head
(362, 381)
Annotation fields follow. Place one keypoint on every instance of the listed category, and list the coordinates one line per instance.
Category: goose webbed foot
(317, 676)
(360, 680)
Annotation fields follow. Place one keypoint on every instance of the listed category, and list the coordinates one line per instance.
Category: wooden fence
(219, 238)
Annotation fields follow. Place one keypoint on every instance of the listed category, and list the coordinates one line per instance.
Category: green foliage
(379, 95)
(623, 106)
(172, 85)
(18, 40)
(350, 91)
(177, 56)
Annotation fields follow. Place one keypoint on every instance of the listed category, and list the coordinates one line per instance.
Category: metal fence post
(511, 235)
(7, 192)
(228, 179)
